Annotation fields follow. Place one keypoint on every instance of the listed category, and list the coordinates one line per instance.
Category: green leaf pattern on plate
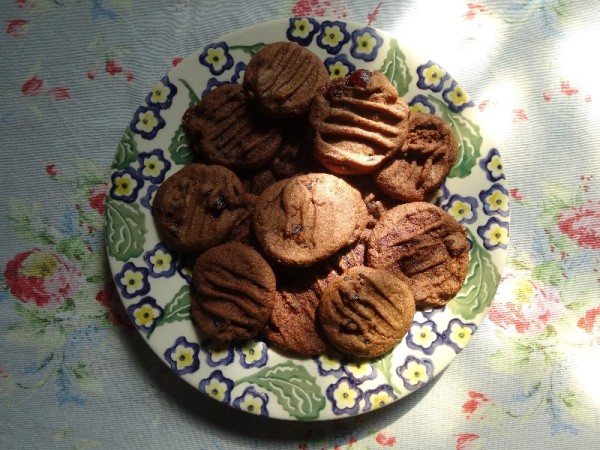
(127, 151)
(125, 229)
(395, 68)
(296, 390)
(178, 309)
(179, 150)
(480, 284)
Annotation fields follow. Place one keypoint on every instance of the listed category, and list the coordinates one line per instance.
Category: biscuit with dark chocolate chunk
(358, 121)
(201, 206)
(365, 312)
(424, 246)
(283, 78)
(301, 220)
(234, 292)
(427, 156)
(225, 129)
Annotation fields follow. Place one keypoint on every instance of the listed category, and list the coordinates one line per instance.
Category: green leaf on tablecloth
(480, 284)
(178, 309)
(27, 221)
(179, 150)
(469, 139)
(73, 247)
(296, 390)
(547, 272)
(127, 151)
(125, 229)
(194, 99)
(249, 49)
(394, 67)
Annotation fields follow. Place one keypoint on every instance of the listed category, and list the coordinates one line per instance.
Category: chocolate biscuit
(225, 129)
(365, 312)
(234, 292)
(358, 121)
(293, 325)
(424, 246)
(427, 155)
(201, 206)
(283, 78)
(301, 220)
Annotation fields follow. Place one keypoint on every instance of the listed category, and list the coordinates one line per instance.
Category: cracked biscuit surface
(304, 219)
(424, 246)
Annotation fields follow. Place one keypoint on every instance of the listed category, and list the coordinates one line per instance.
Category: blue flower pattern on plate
(217, 58)
(339, 66)
(431, 77)
(415, 372)
(379, 397)
(456, 98)
(252, 353)
(302, 29)
(161, 95)
(153, 166)
(217, 386)
(145, 313)
(463, 209)
(147, 122)
(495, 200)
(161, 261)
(132, 281)
(492, 165)
(252, 401)
(424, 337)
(217, 354)
(494, 234)
(183, 356)
(458, 334)
(344, 396)
(125, 185)
(333, 36)
(365, 44)
(421, 103)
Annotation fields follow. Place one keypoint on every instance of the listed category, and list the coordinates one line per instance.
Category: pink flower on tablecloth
(385, 440)
(524, 306)
(590, 323)
(42, 277)
(319, 8)
(59, 93)
(52, 171)
(176, 61)
(112, 67)
(116, 314)
(97, 197)
(464, 441)
(565, 88)
(32, 87)
(17, 27)
(582, 224)
(476, 399)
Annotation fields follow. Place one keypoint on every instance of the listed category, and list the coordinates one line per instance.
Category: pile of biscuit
(305, 212)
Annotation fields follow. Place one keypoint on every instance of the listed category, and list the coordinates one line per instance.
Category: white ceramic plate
(154, 283)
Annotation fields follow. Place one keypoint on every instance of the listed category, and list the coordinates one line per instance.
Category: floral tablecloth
(74, 373)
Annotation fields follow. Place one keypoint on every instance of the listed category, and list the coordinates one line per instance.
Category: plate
(153, 282)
